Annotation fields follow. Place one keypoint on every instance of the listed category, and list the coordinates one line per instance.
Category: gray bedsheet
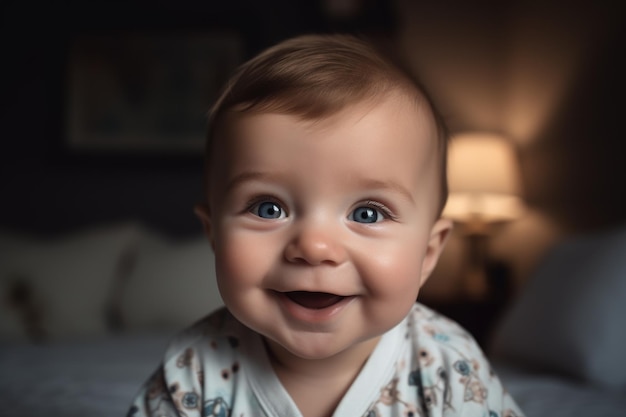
(553, 396)
(99, 378)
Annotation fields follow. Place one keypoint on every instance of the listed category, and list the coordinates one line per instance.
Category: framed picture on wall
(145, 93)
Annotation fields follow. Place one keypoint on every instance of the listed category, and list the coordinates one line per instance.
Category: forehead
(392, 141)
(392, 115)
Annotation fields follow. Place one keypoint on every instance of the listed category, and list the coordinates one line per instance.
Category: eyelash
(386, 211)
(255, 201)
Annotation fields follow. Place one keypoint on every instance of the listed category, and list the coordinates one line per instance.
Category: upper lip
(314, 291)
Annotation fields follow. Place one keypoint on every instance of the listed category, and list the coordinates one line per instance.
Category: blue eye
(268, 210)
(366, 215)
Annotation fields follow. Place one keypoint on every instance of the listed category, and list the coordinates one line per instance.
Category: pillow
(59, 288)
(12, 327)
(172, 284)
(570, 317)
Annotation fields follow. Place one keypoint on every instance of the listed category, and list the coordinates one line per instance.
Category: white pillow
(70, 279)
(172, 284)
(571, 317)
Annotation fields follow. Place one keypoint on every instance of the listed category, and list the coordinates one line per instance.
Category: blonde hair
(315, 76)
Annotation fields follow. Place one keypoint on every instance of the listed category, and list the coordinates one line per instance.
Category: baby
(325, 183)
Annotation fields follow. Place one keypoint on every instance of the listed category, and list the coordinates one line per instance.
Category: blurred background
(104, 109)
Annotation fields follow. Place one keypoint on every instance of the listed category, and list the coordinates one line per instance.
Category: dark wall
(45, 187)
(576, 168)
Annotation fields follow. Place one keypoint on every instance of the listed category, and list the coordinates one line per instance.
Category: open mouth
(314, 300)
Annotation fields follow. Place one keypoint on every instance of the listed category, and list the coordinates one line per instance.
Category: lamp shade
(483, 179)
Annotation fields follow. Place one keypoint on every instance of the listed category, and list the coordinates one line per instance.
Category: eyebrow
(386, 185)
(249, 176)
(366, 183)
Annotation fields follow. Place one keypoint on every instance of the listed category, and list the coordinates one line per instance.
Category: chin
(311, 347)
(313, 353)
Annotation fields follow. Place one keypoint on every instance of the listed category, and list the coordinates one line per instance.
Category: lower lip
(312, 315)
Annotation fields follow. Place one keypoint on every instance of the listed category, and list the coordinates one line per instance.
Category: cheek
(395, 271)
(242, 261)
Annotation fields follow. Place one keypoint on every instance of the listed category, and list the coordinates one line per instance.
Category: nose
(316, 244)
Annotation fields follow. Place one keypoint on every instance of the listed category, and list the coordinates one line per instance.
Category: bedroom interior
(98, 235)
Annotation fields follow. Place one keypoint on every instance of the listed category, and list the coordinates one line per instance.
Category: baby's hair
(315, 76)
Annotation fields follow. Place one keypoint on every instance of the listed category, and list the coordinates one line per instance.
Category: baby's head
(325, 183)
(313, 77)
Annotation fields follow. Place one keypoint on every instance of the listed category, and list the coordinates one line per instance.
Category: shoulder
(201, 365)
(198, 373)
(200, 370)
(218, 333)
(436, 331)
(206, 353)
(450, 370)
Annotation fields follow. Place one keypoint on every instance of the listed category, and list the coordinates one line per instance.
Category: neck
(318, 385)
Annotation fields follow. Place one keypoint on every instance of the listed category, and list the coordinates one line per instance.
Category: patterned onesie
(425, 366)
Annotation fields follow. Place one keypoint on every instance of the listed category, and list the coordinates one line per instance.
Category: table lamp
(483, 178)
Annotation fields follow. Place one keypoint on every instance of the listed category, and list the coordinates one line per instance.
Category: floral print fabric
(432, 368)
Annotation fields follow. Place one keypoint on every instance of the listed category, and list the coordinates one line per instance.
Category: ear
(204, 214)
(439, 234)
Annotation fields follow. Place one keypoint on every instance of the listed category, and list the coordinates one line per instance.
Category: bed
(561, 346)
(85, 317)
(82, 347)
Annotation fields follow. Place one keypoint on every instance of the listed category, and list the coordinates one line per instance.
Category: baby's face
(324, 231)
